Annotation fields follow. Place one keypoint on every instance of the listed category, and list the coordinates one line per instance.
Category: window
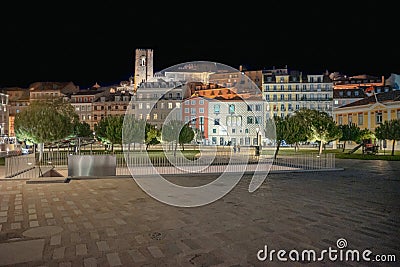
(201, 102)
(340, 119)
(155, 116)
(289, 97)
(282, 97)
(267, 97)
(398, 114)
(274, 98)
(169, 105)
(282, 107)
(148, 117)
(216, 121)
(231, 108)
(214, 140)
(147, 105)
(246, 131)
(162, 105)
(282, 87)
(250, 120)
(349, 119)
(249, 107)
(193, 102)
(258, 107)
(360, 119)
(257, 120)
(214, 130)
(186, 110)
(233, 130)
(201, 110)
(193, 111)
(378, 117)
(140, 105)
(177, 104)
(216, 108)
(356, 93)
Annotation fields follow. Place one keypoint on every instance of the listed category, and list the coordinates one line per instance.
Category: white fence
(139, 164)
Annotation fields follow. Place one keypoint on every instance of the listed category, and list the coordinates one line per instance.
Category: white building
(236, 121)
(155, 100)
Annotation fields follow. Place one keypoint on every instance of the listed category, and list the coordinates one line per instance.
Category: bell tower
(143, 66)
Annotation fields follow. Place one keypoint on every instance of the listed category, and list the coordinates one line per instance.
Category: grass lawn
(382, 155)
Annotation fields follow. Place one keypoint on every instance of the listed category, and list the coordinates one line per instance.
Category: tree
(177, 131)
(296, 131)
(186, 135)
(320, 126)
(45, 121)
(109, 130)
(275, 129)
(170, 132)
(82, 130)
(152, 135)
(389, 130)
(133, 131)
(350, 132)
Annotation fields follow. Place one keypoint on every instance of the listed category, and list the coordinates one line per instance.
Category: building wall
(195, 111)
(284, 97)
(143, 66)
(4, 115)
(233, 121)
(367, 116)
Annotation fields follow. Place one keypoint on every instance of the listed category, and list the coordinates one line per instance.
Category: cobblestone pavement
(112, 222)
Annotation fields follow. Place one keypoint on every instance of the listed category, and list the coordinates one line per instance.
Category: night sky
(85, 45)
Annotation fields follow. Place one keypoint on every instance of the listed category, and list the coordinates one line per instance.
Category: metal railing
(140, 164)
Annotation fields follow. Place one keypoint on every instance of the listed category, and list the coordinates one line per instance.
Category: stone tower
(143, 66)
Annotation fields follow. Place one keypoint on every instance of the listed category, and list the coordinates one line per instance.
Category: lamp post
(258, 142)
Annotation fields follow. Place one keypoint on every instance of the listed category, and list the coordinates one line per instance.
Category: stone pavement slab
(112, 222)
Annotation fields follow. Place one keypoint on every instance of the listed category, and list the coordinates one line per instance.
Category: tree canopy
(109, 130)
(389, 130)
(45, 121)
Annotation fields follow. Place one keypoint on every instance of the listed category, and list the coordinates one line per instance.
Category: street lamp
(258, 142)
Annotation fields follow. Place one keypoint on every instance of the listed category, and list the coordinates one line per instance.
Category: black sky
(96, 43)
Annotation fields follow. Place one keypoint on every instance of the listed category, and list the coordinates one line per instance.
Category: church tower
(143, 66)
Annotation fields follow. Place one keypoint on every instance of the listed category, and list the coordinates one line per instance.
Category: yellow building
(371, 111)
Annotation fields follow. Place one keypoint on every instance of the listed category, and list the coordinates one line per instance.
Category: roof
(390, 96)
(349, 93)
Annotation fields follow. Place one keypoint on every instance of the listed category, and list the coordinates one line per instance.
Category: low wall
(92, 165)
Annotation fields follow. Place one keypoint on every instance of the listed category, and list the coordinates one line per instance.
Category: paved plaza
(112, 222)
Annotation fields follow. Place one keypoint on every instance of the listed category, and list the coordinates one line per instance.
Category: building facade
(143, 71)
(155, 101)
(287, 91)
(235, 121)
(370, 112)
